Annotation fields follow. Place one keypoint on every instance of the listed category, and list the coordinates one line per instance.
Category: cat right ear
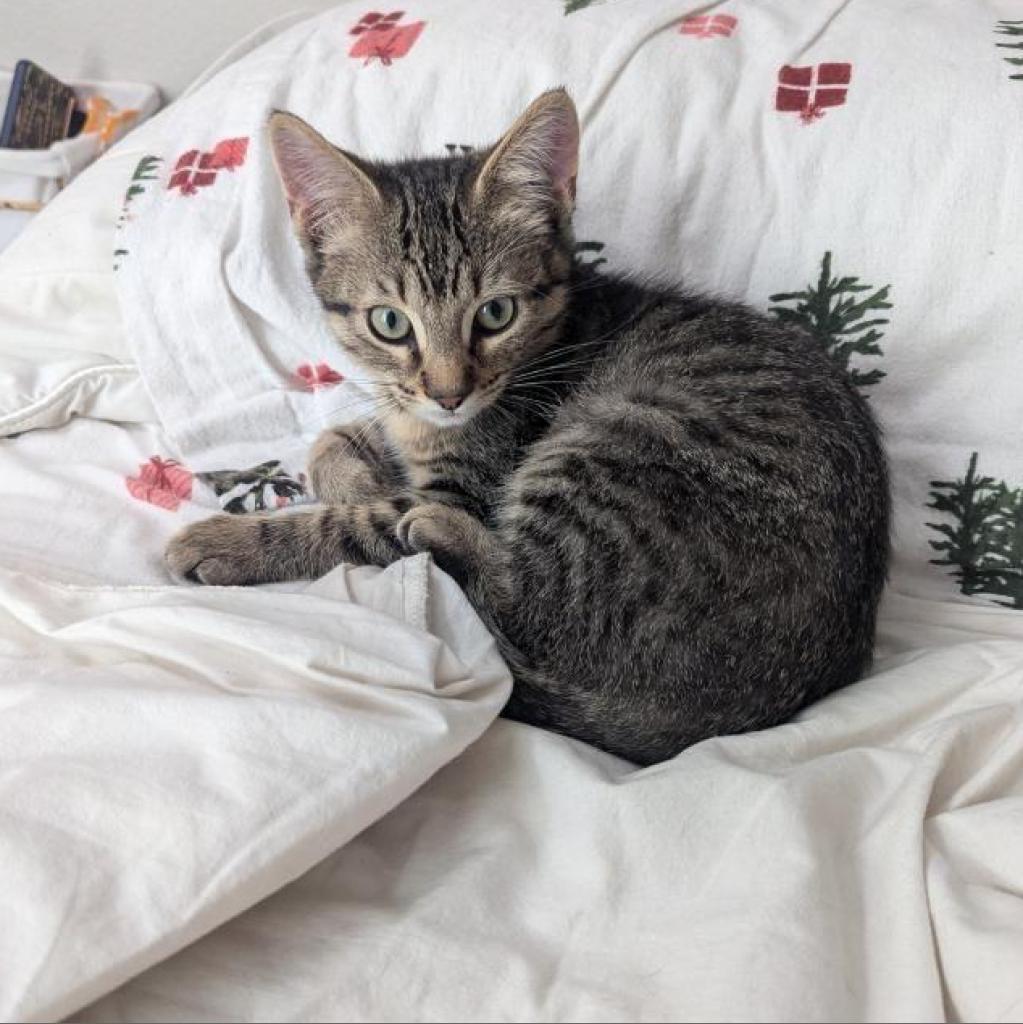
(536, 162)
(326, 190)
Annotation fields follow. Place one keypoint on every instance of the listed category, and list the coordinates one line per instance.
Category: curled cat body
(671, 511)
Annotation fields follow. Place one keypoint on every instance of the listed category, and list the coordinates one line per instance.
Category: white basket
(31, 177)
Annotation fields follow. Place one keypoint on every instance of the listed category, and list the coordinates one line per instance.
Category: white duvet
(169, 756)
(290, 803)
(863, 863)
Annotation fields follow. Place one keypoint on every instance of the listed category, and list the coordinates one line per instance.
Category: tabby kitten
(671, 511)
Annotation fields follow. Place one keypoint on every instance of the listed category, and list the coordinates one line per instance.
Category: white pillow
(62, 343)
(733, 153)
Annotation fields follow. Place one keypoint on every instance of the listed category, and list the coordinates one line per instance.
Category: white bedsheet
(66, 513)
(862, 863)
(170, 755)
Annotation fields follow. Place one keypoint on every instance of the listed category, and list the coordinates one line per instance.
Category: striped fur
(671, 512)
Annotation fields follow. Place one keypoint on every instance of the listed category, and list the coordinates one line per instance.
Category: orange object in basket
(102, 117)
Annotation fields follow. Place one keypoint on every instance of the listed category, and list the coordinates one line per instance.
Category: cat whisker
(341, 414)
(544, 385)
(542, 371)
(546, 409)
(373, 403)
(556, 351)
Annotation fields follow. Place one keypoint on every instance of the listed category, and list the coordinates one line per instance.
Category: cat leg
(278, 546)
(350, 465)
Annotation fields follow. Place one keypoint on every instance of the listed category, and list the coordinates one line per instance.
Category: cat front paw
(220, 552)
(456, 539)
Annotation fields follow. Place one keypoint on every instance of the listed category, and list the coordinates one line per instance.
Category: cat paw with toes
(215, 552)
(451, 535)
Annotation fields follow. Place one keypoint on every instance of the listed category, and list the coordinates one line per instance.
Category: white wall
(166, 42)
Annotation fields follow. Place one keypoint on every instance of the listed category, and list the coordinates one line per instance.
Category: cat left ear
(325, 188)
(538, 157)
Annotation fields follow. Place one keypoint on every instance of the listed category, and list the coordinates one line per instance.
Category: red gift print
(381, 37)
(376, 20)
(312, 378)
(163, 482)
(195, 170)
(706, 26)
(810, 90)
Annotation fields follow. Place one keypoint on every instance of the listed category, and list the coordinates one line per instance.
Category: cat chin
(443, 419)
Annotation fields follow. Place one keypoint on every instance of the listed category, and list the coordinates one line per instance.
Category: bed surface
(860, 863)
(294, 803)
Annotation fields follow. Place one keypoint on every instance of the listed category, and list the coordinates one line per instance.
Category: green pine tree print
(571, 6)
(583, 250)
(839, 316)
(147, 169)
(1014, 29)
(986, 542)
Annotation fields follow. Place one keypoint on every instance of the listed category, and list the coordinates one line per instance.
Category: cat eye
(496, 314)
(389, 324)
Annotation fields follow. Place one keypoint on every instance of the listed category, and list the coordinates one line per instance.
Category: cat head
(439, 276)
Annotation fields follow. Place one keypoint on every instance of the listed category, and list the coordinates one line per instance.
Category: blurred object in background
(39, 109)
(51, 130)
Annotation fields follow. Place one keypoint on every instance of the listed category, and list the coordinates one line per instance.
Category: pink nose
(449, 402)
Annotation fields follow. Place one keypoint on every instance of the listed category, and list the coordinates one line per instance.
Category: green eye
(389, 324)
(496, 314)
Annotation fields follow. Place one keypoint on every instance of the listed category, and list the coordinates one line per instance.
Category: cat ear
(325, 188)
(538, 157)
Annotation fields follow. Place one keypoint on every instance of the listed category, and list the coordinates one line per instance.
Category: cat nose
(449, 387)
(450, 402)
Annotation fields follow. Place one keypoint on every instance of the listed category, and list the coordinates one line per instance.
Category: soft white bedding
(66, 512)
(171, 756)
(863, 863)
